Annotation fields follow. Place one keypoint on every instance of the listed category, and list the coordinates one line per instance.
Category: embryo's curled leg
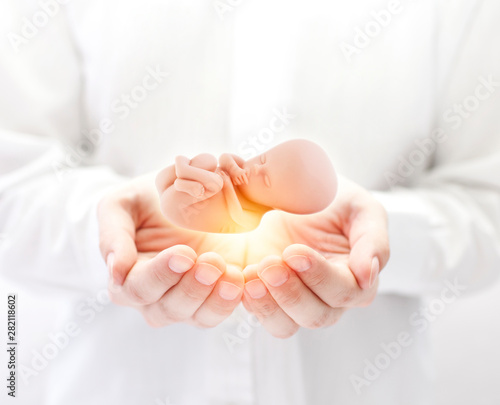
(199, 169)
(193, 188)
(205, 161)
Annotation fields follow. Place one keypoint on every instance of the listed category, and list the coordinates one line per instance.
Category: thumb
(369, 240)
(364, 262)
(117, 238)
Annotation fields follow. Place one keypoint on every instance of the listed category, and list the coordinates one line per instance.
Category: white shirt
(369, 80)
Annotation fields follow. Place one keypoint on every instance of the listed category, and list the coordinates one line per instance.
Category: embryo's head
(296, 176)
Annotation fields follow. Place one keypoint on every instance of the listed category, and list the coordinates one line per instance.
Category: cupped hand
(169, 274)
(309, 269)
(301, 270)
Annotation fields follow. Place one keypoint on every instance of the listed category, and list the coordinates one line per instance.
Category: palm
(322, 232)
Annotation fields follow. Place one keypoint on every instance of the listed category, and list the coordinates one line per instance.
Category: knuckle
(316, 279)
(267, 310)
(290, 299)
(319, 321)
(136, 294)
(290, 296)
(162, 275)
(191, 292)
(344, 297)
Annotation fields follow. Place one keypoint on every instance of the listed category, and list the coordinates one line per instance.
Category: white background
(466, 339)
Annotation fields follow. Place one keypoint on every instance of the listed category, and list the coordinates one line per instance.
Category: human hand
(309, 269)
(169, 274)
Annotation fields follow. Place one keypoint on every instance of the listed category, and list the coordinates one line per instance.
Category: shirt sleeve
(445, 224)
(48, 198)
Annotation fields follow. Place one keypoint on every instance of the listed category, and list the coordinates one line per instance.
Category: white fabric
(228, 74)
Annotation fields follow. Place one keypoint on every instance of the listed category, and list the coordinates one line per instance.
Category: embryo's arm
(229, 162)
(233, 165)
(246, 219)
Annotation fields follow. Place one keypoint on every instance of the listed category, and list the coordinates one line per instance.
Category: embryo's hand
(309, 269)
(239, 176)
(169, 274)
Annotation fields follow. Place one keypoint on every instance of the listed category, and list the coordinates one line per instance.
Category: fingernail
(228, 291)
(256, 289)
(180, 264)
(275, 275)
(374, 271)
(207, 274)
(299, 262)
(110, 260)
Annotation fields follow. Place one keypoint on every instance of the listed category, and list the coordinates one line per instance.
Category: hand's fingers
(222, 300)
(294, 297)
(246, 177)
(117, 236)
(369, 239)
(333, 283)
(183, 300)
(149, 279)
(258, 301)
